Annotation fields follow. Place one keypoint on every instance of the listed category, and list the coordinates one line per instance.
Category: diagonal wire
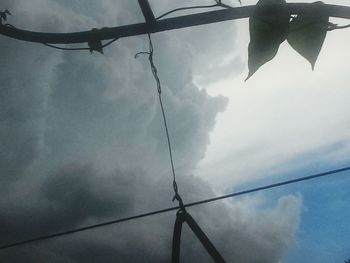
(186, 8)
(205, 201)
(66, 48)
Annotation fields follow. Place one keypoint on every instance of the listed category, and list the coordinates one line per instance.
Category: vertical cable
(159, 90)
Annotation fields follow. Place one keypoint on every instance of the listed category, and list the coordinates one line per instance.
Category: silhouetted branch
(166, 24)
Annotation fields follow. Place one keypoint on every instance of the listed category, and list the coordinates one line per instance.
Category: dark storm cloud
(68, 197)
(83, 137)
(22, 96)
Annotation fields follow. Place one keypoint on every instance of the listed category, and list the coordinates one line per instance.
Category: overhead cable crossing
(166, 210)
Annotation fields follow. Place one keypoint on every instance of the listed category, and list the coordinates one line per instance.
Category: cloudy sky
(82, 141)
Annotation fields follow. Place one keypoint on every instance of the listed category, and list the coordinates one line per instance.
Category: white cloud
(90, 138)
(284, 112)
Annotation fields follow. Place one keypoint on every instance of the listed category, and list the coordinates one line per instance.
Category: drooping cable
(166, 210)
(79, 48)
(3, 16)
(66, 48)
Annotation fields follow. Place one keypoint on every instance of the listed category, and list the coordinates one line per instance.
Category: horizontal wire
(186, 8)
(314, 176)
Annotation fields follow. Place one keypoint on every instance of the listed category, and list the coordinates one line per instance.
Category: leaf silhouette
(267, 32)
(95, 44)
(3, 15)
(307, 34)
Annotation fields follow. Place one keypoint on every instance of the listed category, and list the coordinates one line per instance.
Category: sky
(82, 141)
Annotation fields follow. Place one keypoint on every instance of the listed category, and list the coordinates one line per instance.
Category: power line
(306, 178)
(116, 221)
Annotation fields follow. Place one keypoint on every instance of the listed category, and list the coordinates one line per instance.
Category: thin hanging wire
(159, 90)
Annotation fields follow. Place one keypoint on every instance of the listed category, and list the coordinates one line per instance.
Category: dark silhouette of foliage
(266, 34)
(3, 15)
(304, 32)
(307, 34)
(95, 44)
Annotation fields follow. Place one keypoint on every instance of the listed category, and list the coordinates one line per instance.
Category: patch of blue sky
(324, 231)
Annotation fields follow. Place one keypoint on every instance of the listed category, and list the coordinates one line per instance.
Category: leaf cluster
(3, 15)
(304, 32)
(95, 44)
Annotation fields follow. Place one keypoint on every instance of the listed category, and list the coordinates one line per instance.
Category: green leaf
(267, 32)
(307, 34)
